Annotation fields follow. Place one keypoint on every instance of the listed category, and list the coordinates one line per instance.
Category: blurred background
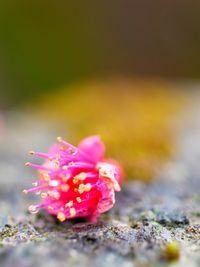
(123, 69)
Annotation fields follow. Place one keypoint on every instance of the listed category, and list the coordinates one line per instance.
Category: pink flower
(76, 181)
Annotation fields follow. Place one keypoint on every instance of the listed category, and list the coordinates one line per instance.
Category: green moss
(8, 231)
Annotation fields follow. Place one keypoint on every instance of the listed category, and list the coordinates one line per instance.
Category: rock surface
(150, 225)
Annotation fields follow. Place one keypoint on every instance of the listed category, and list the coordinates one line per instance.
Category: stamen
(55, 195)
(73, 148)
(78, 199)
(35, 189)
(81, 188)
(64, 188)
(40, 154)
(35, 166)
(46, 177)
(84, 188)
(72, 212)
(44, 195)
(69, 204)
(88, 187)
(61, 217)
(33, 209)
(79, 177)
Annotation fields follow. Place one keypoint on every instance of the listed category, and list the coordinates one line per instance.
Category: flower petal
(93, 147)
(108, 173)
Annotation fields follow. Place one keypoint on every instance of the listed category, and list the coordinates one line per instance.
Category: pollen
(61, 216)
(55, 195)
(46, 177)
(69, 204)
(72, 212)
(44, 195)
(81, 188)
(64, 188)
(59, 139)
(84, 188)
(78, 199)
(88, 187)
(79, 177)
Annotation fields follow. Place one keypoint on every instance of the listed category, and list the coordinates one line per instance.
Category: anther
(61, 217)
(72, 212)
(44, 195)
(32, 209)
(78, 199)
(69, 204)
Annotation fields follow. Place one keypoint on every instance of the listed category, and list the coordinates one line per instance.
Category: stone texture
(148, 222)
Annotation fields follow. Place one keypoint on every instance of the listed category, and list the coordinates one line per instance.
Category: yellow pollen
(61, 148)
(72, 212)
(34, 184)
(84, 188)
(69, 204)
(61, 217)
(31, 152)
(75, 180)
(25, 191)
(43, 195)
(78, 199)
(88, 187)
(50, 208)
(81, 176)
(64, 188)
(55, 195)
(81, 188)
(46, 177)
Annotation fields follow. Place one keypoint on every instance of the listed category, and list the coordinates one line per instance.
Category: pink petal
(93, 147)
